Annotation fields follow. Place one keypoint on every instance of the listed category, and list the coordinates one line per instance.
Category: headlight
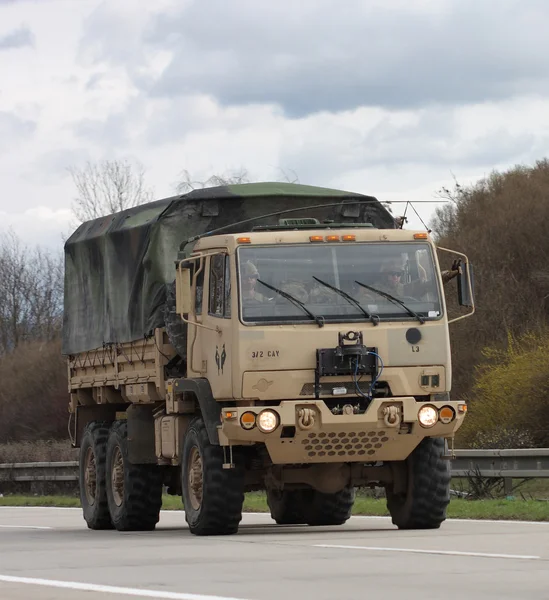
(427, 416)
(267, 421)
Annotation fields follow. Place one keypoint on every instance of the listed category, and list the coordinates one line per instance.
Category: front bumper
(308, 432)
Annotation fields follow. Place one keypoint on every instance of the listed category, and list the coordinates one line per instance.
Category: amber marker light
(243, 240)
(348, 238)
(230, 414)
(462, 408)
(446, 415)
(421, 236)
(247, 420)
(316, 238)
(332, 238)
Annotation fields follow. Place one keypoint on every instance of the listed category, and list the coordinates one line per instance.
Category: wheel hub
(90, 476)
(117, 477)
(195, 478)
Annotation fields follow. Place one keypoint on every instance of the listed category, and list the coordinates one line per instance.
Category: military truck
(245, 338)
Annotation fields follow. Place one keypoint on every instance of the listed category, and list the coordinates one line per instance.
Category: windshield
(338, 282)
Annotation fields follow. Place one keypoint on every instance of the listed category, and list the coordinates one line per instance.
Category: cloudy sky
(387, 97)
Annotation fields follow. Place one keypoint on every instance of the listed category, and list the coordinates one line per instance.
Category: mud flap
(209, 407)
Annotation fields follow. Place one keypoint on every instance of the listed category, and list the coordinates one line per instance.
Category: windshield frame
(396, 317)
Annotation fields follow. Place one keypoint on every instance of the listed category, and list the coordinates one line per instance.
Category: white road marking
(110, 589)
(23, 527)
(414, 550)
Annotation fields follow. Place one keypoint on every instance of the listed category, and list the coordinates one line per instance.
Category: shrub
(33, 393)
(510, 395)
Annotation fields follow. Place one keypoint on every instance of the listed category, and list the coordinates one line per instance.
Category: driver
(250, 275)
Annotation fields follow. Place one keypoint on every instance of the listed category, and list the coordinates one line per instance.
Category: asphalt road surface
(48, 553)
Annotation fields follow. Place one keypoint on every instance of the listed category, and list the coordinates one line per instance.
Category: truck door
(216, 347)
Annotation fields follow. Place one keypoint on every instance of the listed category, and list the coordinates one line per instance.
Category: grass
(522, 510)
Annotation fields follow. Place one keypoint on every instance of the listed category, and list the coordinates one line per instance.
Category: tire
(427, 496)
(331, 509)
(287, 506)
(292, 507)
(134, 492)
(175, 327)
(212, 496)
(92, 484)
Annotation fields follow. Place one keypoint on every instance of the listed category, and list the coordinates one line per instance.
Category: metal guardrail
(523, 463)
(518, 464)
(39, 471)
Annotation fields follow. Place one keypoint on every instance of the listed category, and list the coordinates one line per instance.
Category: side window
(199, 289)
(217, 271)
(227, 312)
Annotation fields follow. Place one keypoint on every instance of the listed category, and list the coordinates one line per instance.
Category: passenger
(323, 295)
(296, 289)
(392, 273)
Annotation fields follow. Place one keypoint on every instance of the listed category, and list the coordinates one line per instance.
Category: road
(48, 553)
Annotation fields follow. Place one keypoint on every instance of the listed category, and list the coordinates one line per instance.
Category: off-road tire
(175, 327)
(135, 498)
(331, 509)
(293, 507)
(213, 505)
(424, 504)
(287, 506)
(94, 503)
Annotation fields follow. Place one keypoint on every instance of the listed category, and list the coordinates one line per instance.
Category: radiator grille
(345, 443)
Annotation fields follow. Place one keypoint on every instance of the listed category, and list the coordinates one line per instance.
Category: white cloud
(392, 99)
(317, 55)
(18, 38)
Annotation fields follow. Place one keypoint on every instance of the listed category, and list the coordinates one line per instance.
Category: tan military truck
(271, 337)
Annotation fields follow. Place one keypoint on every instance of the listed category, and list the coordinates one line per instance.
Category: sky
(392, 98)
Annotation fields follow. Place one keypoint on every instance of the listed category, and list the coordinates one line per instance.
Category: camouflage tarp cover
(117, 267)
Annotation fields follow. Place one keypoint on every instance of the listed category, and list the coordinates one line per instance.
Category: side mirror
(466, 291)
(183, 299)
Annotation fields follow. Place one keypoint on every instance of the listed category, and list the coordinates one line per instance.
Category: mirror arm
(469, 283)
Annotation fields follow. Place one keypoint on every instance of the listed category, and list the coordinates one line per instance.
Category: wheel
(287, 506)
(134, 492)
(291, 507)
(175, 327)
(331, 509)
(212, 496)
(93, 494)
(423, 505)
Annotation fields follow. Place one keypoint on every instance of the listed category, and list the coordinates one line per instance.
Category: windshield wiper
(393, 300)
(349, 299)
(317, 318)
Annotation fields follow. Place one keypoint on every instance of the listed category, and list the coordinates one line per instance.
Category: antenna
(291, 210)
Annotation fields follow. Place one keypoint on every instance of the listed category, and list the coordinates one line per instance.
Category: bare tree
(31, 294)
(187, 183)
(107, 187)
